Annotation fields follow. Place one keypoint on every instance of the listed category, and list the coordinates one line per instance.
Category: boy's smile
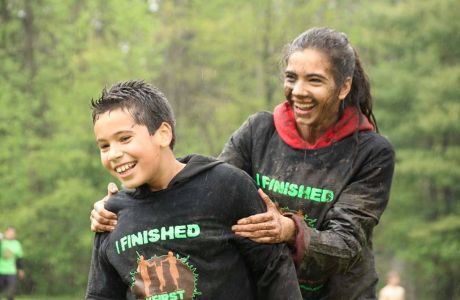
(127, 149)
(125, 168)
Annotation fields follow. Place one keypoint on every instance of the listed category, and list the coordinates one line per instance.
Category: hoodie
(335, 191)
(177, 243)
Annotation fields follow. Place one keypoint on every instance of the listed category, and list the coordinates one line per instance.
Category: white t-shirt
(392, 292)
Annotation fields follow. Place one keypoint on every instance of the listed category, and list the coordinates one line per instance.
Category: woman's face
(310, 89)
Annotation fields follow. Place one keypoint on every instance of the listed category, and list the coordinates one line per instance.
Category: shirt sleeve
(271, 264)
(348, 225)
(104, 282)
(19, 252)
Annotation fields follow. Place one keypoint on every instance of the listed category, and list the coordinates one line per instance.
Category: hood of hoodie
(351, 121)
(194, 165)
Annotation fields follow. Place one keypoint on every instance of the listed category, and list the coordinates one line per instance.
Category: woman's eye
(104, 147)
(289, 78)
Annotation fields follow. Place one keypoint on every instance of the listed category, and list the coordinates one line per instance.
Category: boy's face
(127, 149)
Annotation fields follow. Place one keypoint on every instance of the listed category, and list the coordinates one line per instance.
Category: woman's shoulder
(375, 146)
(375, 140)
(261, 116)
(257, 126)
(261, 122)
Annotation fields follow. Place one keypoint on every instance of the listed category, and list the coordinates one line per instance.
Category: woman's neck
(311, 134)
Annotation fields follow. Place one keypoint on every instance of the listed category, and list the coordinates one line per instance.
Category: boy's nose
(115, 153)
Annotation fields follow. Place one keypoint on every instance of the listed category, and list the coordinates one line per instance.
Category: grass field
(47, 298)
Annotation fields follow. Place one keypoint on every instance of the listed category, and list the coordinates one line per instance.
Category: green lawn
(47, 298)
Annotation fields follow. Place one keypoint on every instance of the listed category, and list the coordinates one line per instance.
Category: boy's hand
(268, 227)
(102, 219)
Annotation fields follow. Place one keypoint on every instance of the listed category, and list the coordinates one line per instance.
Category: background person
(11, 263)
(392, 290)
(320, 158)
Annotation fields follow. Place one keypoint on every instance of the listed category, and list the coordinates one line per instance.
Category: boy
(173, 239)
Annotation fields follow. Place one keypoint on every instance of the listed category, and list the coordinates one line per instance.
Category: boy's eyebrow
(118, 133)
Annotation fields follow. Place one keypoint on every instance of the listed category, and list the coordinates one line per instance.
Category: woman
(320, 158)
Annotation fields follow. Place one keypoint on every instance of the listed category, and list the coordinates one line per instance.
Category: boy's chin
(129, 185)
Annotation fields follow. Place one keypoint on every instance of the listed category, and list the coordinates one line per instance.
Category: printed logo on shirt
(310, 288)
(307, 287)
(167, 277)
(294, 190)
(311, 222)
(157, 234)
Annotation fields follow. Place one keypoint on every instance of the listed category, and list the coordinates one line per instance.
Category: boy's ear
(165, 134)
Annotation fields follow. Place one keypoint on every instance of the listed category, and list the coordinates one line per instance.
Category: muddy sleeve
(349, 224)
(104, 282)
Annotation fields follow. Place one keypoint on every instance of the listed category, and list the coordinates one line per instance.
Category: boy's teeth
(123, 168)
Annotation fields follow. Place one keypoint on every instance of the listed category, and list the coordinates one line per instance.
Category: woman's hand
(268, 227)
(102, 219)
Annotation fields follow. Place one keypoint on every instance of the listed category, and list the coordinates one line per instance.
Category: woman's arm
(346, 232)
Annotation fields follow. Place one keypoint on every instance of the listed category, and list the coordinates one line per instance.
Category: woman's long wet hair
(345, 63)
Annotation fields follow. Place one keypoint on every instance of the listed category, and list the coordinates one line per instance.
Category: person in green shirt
(11, 264)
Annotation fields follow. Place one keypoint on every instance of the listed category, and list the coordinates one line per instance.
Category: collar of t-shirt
(351, 121)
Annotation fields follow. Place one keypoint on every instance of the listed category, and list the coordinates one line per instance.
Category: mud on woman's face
(310, 89)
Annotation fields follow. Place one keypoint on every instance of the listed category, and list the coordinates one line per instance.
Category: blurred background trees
(218, 62)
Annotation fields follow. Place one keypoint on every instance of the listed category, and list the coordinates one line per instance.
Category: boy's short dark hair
(147, 105)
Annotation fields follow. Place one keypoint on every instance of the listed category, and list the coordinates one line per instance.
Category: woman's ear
(165, 134)
(346, 88)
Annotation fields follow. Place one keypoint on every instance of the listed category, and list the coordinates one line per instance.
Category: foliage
(218, 62)
(417, 76)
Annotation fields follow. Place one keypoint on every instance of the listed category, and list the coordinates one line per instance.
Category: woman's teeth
(305, 106)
